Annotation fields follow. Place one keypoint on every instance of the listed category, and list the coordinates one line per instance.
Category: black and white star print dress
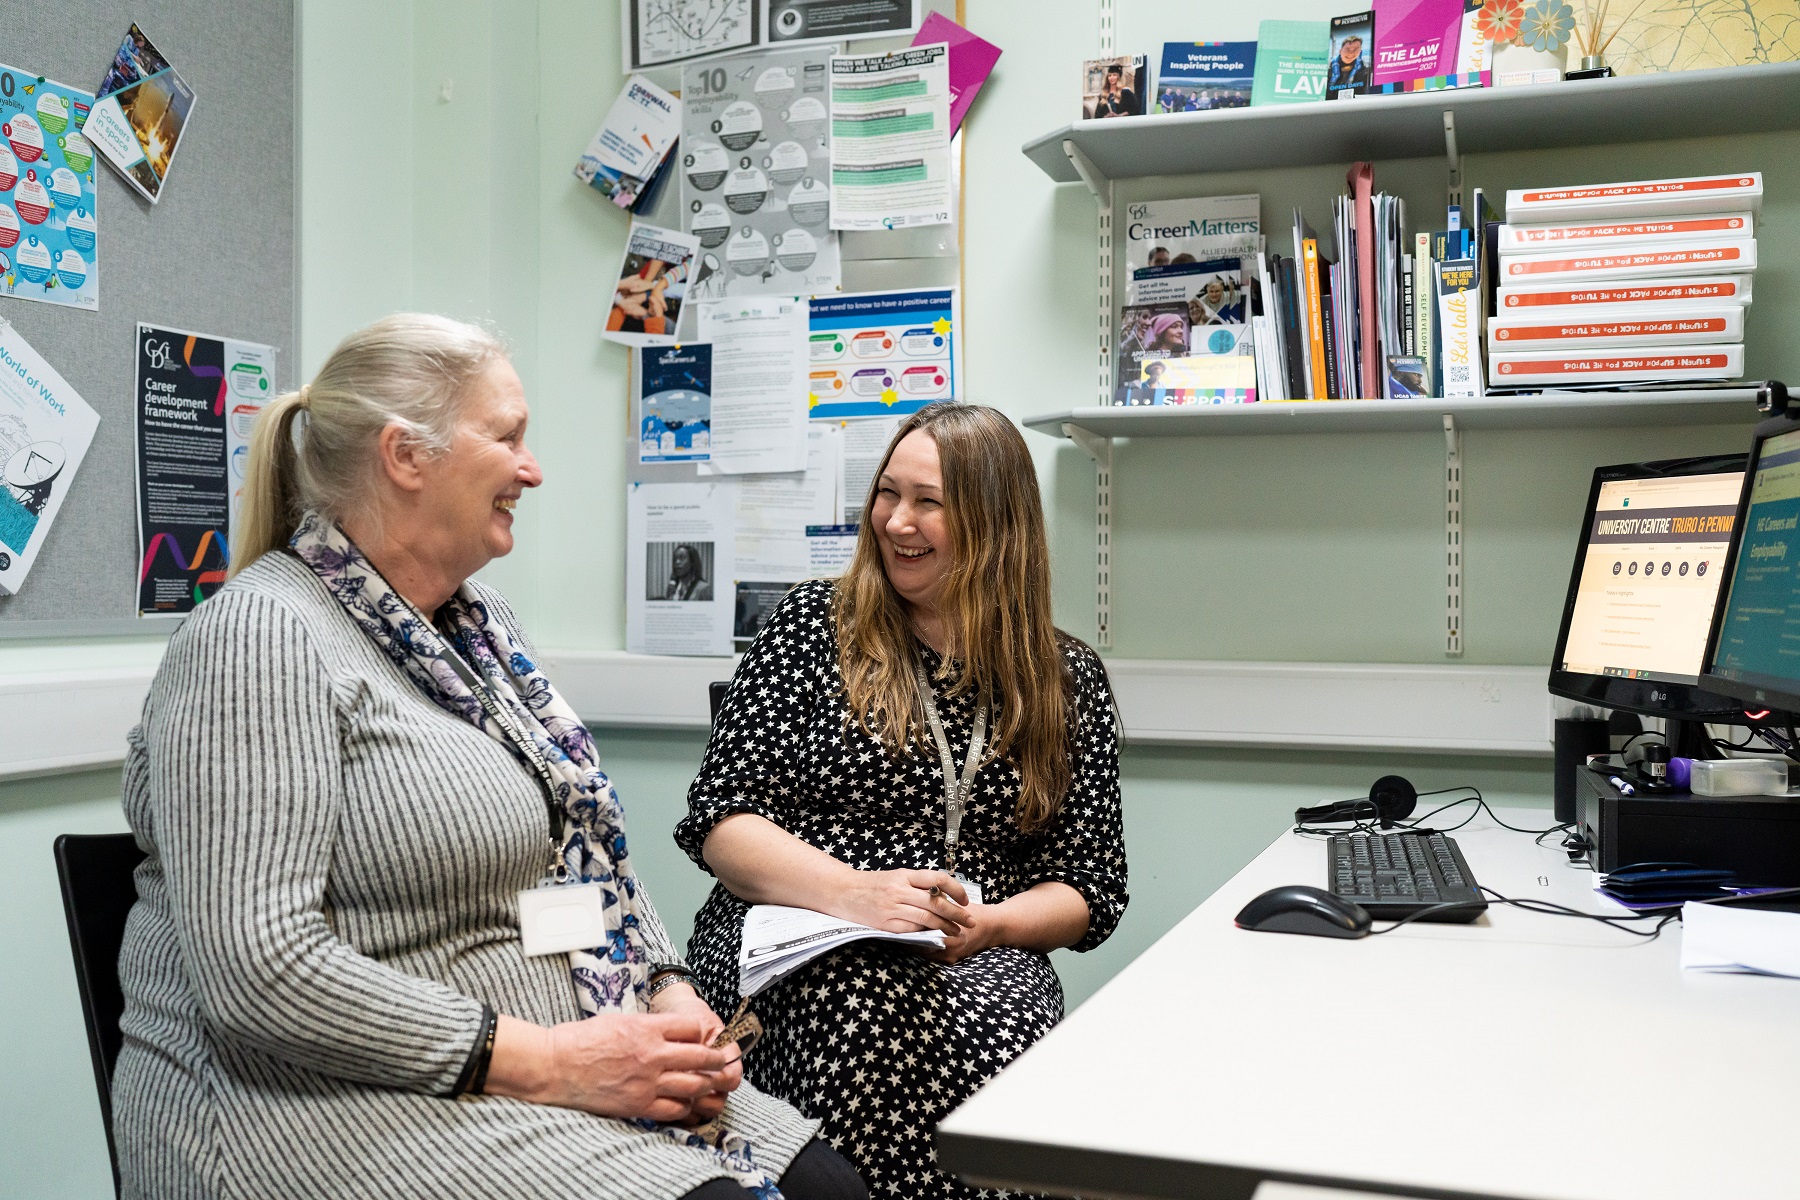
(875, 1040)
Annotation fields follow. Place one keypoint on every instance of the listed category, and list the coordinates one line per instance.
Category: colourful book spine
(1698, 258)
(1315, 322)
(1601, 236)
(1426, 337)
(1457, 303)
(1674, 293)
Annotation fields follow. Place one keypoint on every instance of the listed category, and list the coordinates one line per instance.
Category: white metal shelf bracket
(1102, 187)
(1453, 539)
(1455, 157)
(1100, 450)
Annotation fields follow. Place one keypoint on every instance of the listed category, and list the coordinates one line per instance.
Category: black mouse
(1300, 909)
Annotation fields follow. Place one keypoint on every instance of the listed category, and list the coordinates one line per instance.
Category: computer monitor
(1753, 653)
(1646, 579)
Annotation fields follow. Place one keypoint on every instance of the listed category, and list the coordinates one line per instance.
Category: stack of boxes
(1626, 283)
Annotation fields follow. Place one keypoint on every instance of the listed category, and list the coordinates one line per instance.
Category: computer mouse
(1300, 909)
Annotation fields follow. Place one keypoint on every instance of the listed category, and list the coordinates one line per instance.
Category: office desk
(1592, 1067)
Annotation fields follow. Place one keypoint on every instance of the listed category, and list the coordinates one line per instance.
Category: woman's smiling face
(908, 514)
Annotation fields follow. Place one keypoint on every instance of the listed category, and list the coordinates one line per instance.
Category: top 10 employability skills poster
(49, 248)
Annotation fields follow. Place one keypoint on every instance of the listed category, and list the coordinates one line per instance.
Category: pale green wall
(1263, 548)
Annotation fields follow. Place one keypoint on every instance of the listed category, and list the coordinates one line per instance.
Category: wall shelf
(1577, 410)
(1632, 108)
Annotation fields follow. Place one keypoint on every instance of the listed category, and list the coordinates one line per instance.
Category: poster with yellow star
(880, 354)
(48, 234)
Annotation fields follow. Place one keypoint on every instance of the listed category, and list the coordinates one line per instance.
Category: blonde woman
(354, 784)
(825, 787)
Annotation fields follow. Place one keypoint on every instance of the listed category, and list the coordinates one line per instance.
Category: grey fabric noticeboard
(215, 256)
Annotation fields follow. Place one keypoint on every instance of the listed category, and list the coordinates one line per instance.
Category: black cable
(1549, 910)
(1634, 737)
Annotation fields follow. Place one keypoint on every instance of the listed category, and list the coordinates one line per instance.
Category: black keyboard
(1394, 875)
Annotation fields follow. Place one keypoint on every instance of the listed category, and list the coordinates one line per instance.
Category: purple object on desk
(971, 60)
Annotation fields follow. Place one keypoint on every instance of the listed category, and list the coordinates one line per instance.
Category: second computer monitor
(1754, 653)
(1645, 580)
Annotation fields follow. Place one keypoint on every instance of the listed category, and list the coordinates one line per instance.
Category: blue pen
(1625, 789)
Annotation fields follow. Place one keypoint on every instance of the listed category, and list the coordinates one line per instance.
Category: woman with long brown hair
(914, 746)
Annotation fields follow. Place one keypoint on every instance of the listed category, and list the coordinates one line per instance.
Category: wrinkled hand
(655, 1065)
(682, 999)
(902, 901)
(980, 929)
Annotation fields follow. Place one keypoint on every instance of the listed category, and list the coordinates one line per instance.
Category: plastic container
(1738, 777)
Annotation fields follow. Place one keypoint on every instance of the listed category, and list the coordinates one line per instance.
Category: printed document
(678, 539)
(779, 941)
(758, 383)
(890, 139)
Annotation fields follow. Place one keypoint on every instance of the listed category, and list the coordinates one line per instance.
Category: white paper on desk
(894, 171)
(779, 940)
(1270, 1189)
(1736, 940)
(679, 547)
(758, 383)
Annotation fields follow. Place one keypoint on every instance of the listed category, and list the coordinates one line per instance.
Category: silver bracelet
(666, 975)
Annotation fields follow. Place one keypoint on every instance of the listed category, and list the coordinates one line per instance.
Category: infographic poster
(197, 400)
(755, 155)
(49, 248)
(878, 354)
(45, 430)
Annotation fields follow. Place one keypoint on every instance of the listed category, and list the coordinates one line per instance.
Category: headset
(1391, 798)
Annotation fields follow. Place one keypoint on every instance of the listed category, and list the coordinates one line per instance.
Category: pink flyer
(971, 59)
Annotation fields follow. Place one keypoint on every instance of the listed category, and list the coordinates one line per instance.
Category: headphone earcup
(1394, 797)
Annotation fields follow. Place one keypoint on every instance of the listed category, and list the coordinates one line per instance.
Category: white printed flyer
(45, 430)
(890, 139)
(678, 539)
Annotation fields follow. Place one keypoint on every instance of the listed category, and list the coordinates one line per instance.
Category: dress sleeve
(755, 760)
(1085, 846)
(244, 769)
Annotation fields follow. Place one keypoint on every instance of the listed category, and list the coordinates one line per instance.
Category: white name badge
(972, 888)
(561, 918)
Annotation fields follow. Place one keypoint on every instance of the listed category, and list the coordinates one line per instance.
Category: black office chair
(98, 892)
(715, 692)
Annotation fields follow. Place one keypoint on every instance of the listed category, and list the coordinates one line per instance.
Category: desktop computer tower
(1758, 837)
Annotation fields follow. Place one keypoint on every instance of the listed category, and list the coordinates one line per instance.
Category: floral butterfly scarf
(608, 978)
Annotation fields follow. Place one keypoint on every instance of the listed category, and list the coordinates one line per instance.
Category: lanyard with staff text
(509, 725)
(956, 787)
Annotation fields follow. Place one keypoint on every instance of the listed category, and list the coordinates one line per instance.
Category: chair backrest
(715, 692)
(98, 892)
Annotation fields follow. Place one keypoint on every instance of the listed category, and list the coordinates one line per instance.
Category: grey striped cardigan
(328, 901)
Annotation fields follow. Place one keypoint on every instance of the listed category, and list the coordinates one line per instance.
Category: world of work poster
(197, 399)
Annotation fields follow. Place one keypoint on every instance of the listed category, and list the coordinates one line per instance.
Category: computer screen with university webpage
(1650, 577)
(1759, 630)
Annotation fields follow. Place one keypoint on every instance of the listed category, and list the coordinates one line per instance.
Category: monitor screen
(1646, 578)
(1756, 645)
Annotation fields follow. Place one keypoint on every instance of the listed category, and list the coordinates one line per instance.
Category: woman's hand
(655, 1065)
(903, 901)
(982, 927)
(682, 999)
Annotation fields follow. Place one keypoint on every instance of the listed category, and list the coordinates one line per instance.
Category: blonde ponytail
(266, 519)
(410, 370)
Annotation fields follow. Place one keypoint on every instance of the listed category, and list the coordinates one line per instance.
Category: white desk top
(1596, 1069)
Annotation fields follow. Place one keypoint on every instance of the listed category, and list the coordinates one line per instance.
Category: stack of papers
(779, 941)
(1746, 941)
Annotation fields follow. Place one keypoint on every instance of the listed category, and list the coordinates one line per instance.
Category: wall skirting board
(77, 719)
